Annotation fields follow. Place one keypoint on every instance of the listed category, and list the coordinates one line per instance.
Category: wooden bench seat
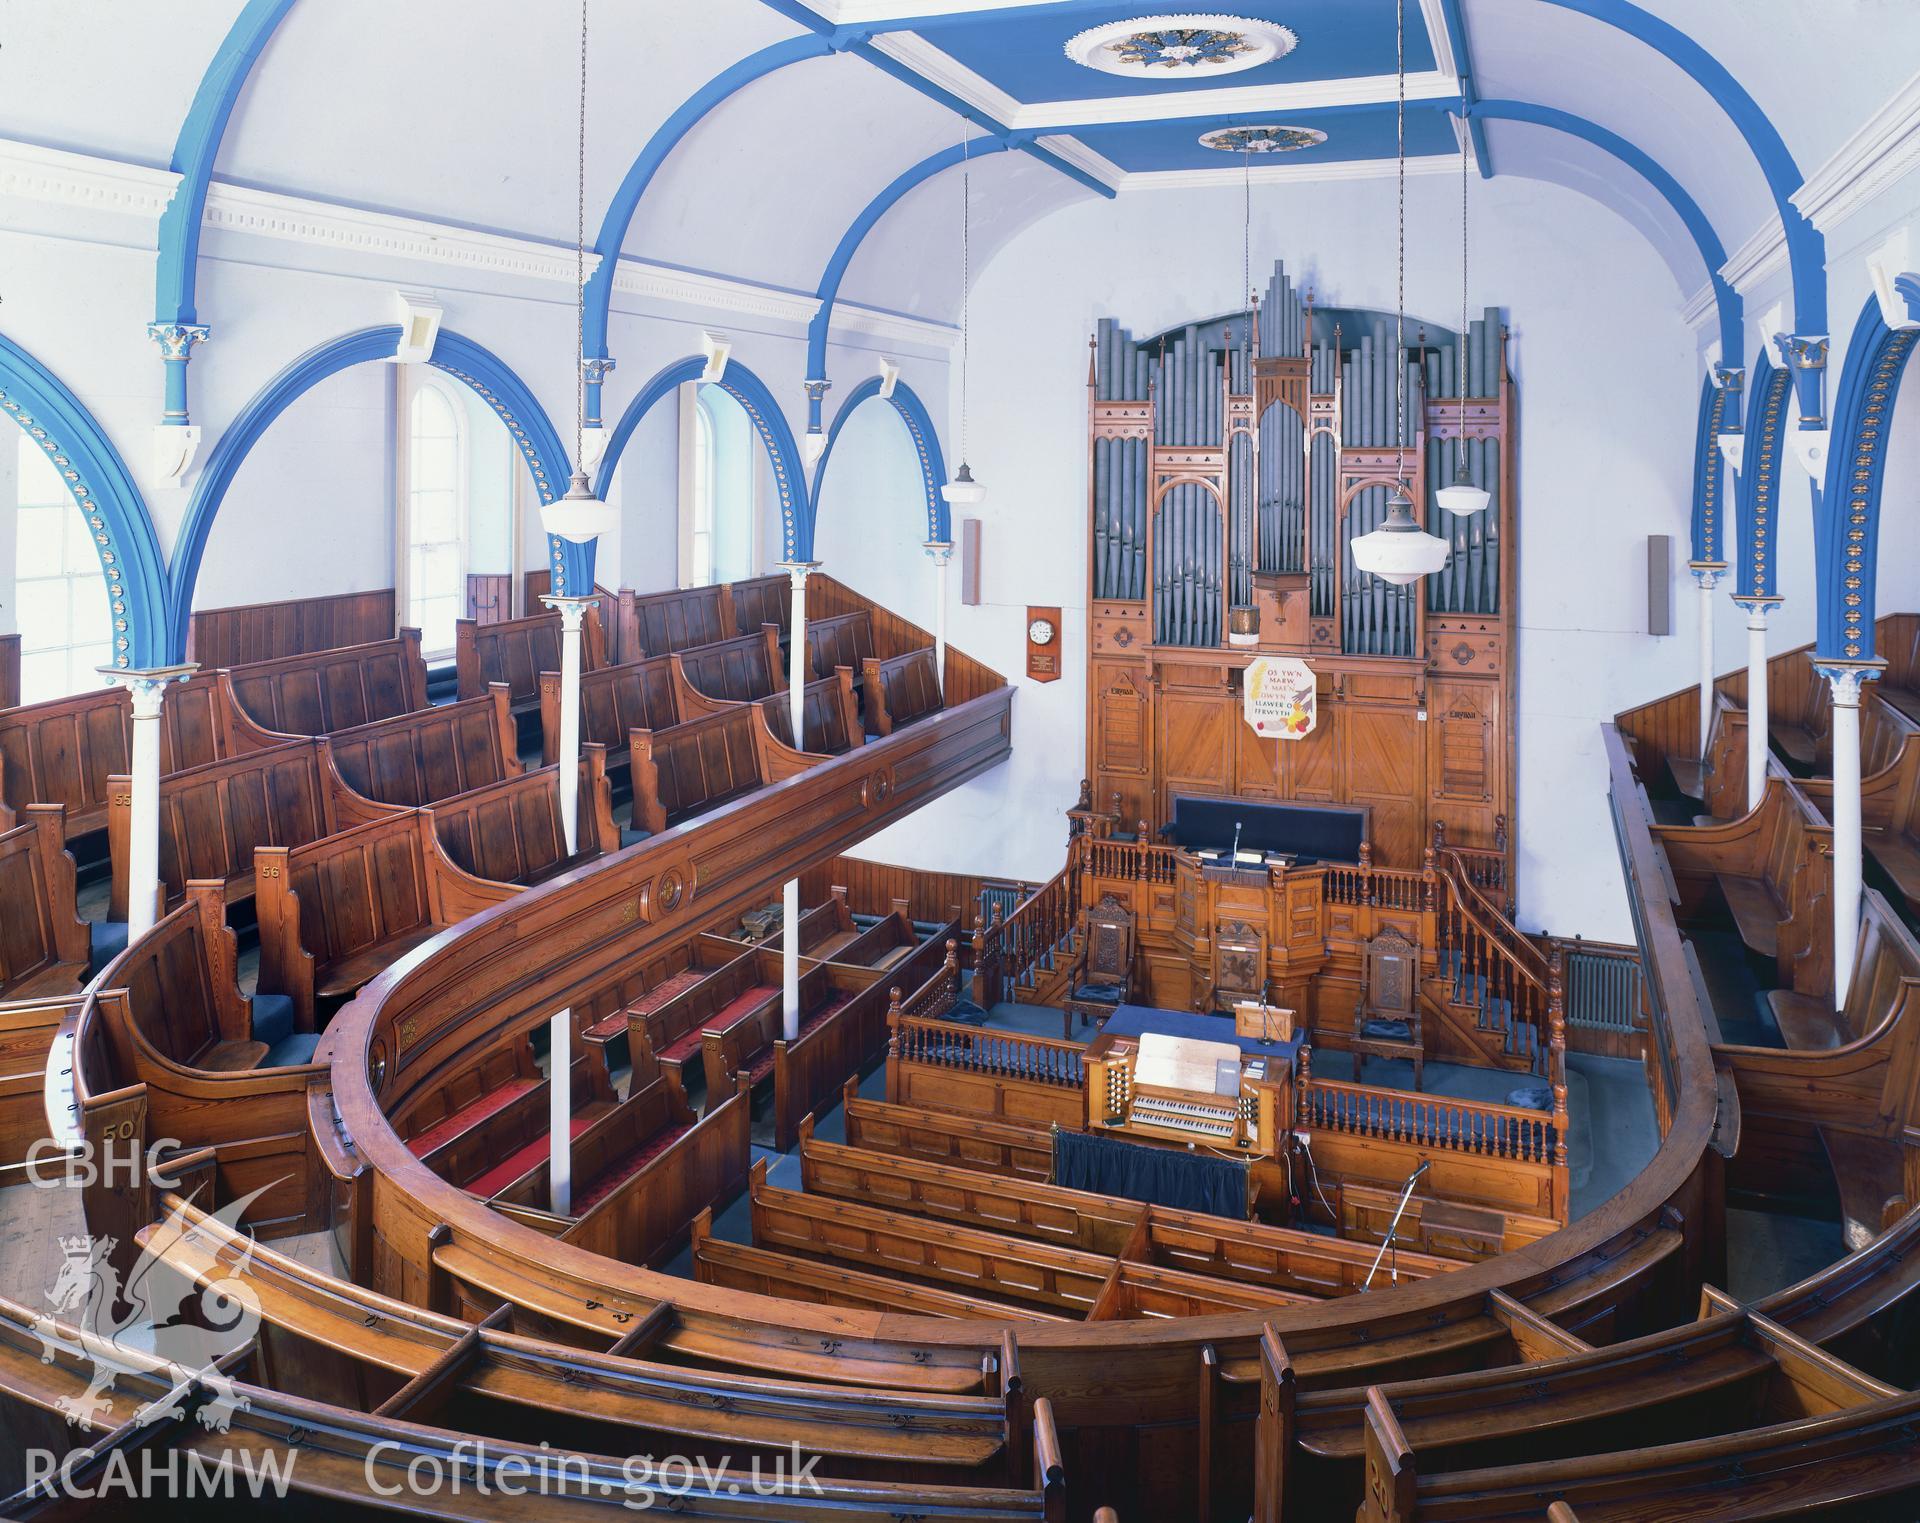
(743, 1046)
(67, 751)
(44, 944)
(321, 691)
(743, 669)
(473, 1114)
(969, 1142)
(253, 632)
(430, 754)
(659, 623)
(829, 717)
(704, 763)
(670, 1029)
(614, 702)
(213, 817)
(528, 1155)
(836, 640)
(516, 652)
(483, 1148)
(1756, 910)
(764, 1271)
(900, 690)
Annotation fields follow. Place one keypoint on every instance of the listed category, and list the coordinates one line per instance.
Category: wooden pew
(603, 1015)
(762, 600)
(1772, 867)
(614, 702)
(1432, 1225)
(839, 640)
(671, 1029)
(336, 912)
(889, 940)
(213, 816)
(703, 763)
(739, 1266)
(830, 716)
(431, 754)
(303, 1313)
(512, 831)
(1889, 793)
(28, 1029)
(44, 944)
(1044, 1275)
(498, 1154)
(250, 632)
(516, 652)
(333, 689)
(642, 1215)
(824, 928)
(740, 670)
(184, 1007)
(907, 1131)
(67, 750)
(899, 690)
(744, 1049)
(659, 623)
(445, 1126)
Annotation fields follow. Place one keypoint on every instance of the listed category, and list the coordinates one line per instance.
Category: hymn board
(1230, 462)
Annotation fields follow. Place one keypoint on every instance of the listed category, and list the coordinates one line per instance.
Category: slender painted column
(573, 613)
(942, 553)
(1846, 678)
(798, 571)
(148, 690)
(1757, 696)
(175, 439)
(1706, 575)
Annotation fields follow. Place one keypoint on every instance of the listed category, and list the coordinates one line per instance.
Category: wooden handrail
(1440, 1122)
(973, 1049)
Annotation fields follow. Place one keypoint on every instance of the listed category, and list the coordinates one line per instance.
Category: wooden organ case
(1230, 462)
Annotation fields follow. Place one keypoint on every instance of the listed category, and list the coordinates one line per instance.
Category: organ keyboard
(1174, 1089)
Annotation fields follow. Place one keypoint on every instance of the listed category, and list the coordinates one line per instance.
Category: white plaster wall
(873, 513)
(1607, 395)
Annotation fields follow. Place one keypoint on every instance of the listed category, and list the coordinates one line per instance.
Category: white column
(1845, 679)
(1706, 574)
(798, 571)
(573, 613)
(1757, 696)
(148, 689)
(942, 553)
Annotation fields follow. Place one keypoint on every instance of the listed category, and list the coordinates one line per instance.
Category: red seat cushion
(626, 1166)
(471, 1114)
(515, 1164)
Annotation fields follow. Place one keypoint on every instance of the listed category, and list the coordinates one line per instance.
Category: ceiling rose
(1159, 47)
(1262, 139)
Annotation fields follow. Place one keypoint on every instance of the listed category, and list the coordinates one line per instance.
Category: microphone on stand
(1236, 842)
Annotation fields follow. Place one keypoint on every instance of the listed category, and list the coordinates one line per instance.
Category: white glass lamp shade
(1461, 495)
(579, 517)
(1399, 551)
(963, 489)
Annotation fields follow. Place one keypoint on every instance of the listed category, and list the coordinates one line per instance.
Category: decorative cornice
(73, 179)
(1884, 149)
(1289, 173)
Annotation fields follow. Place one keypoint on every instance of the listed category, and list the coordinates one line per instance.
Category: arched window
(60, 597)
(719, 520)
(435, 518)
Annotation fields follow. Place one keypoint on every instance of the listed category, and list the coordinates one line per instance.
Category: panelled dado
(1232, 463)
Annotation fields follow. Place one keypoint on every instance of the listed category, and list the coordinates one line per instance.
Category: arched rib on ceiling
(1713, 255)
(835, 272)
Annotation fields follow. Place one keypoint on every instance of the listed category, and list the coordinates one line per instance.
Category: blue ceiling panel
(1025, 56)
(1148, 147)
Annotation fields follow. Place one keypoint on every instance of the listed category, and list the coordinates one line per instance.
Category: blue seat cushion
(631, 837)
(290, 1051)
(966, 1013)
(1099, 994)
(1531, 1097)
(106, 940)
(272, 1018)
(1380, 1030)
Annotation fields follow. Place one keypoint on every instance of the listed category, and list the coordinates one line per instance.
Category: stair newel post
(1140, 849)
(1557, 1053)
(1366, 873)
(893, 1045)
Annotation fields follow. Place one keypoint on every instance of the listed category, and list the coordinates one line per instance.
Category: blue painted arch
(1756, 553)
(1846, 531)
(753, 395)
(1708, 537)
(1713, 255)
(104, 491)
(489, 377)
(926, 443)
(855, 235)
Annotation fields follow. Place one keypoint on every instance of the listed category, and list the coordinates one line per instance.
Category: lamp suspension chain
(1400, 311)
(580, 263)
(1466, 149)
(966, 284)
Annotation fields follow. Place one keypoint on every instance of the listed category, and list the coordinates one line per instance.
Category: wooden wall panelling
(252, 632)
(9, 671)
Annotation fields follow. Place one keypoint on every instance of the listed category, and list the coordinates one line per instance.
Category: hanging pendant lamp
(1400, 551)
(1461, 495)
(963, 491)
(580, 517)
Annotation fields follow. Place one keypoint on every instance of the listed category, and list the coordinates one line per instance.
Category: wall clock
(1043, 644)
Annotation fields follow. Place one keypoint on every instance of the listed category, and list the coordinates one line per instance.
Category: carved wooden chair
(1386, 1021)
(1101, 979)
